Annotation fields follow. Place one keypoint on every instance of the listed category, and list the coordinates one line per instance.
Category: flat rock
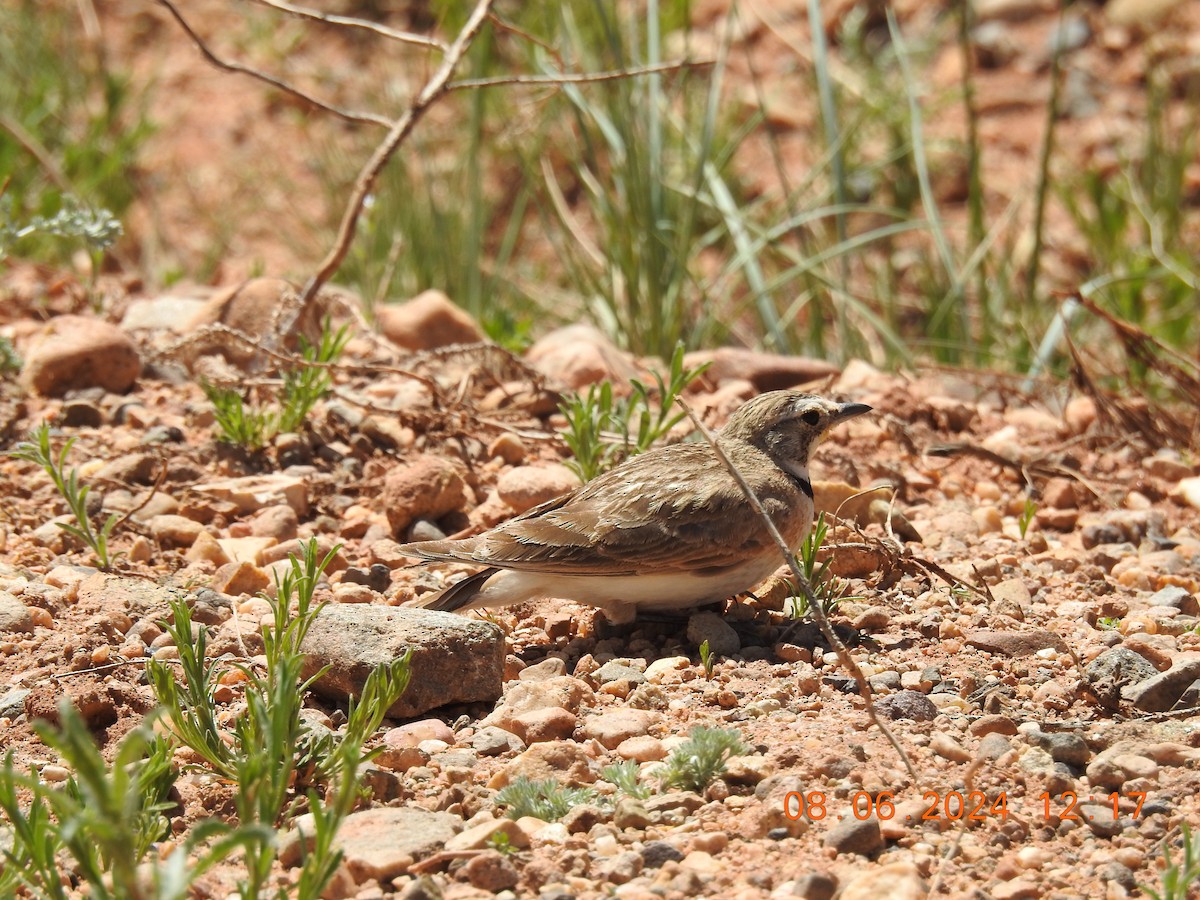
(137, 596)
(255, 492)
(612, 727)
(75, 352)
(428, 321)
(1160, 693)
(1016, 644)
(454, 659)
(379, 843)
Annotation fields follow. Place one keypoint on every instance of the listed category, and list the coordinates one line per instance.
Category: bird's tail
(459, 595)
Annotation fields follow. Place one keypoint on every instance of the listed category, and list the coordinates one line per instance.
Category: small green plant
(37, 450)
(502, 844)
(696, 763)
(275, 760)
(10, 362)
(97, 230)
(1108, 623)
(625, 776)
(1177, 878)
(1027, 514)
(547, 800)
(707, 659)
(238, 422)
(250, 426)
(603, 430)
(829, 590)
(106, 819)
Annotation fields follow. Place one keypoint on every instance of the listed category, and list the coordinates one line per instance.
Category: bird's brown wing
(634, 519)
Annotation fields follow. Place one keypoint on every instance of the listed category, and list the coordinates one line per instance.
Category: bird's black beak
(850, 410)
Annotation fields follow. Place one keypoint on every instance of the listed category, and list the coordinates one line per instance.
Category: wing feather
(632, 520)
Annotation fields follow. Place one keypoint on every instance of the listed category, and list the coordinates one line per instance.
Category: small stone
(206, 549)
(492, 741)
(525, 487)
(995, 724)
(615, 671)
(175, 531)
(491, 871)
(909, 705)
(412, 734)
(1187, 492)
(854, 836)
(1175, 597)
(661, 669)
(642, 748)
(655, 853)
(631, 812)
(578, 355)
(816, 886)
(1100, 819)
(239, 579)
(279, 522)
(581, 819)
(508, 447)
(551, 667)
(1063, 746)
(948, 748)
(379, 843)
(708, 626)
(482, 834)
(426, 322)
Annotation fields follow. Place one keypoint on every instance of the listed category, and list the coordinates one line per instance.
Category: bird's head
(788, 425)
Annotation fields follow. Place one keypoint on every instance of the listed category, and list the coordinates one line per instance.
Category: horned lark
(669, 529)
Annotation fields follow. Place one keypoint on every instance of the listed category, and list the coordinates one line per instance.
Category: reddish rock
(579, 355)
(429, 488)
(428, 321)
(75, 352)
(525, 487)
(766, 371)
(253, 308)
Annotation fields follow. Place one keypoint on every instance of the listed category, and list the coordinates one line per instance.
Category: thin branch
(238, 68)
(400, 129)
(818, 614)
(405, 37)
(578, 77)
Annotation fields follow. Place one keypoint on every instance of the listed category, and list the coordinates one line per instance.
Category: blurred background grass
(666, 207)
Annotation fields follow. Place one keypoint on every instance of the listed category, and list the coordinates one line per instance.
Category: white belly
(623, 596)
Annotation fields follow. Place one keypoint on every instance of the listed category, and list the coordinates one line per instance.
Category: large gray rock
(455, 659)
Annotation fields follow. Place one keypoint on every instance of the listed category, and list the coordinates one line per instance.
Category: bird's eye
(812, 417)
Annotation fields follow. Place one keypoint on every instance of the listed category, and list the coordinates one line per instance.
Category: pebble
(948, 748)
(642, 748)
(854, 836)
(895, 881)
(908, 705)
(429, 487)
(525, 487)
(73, 352)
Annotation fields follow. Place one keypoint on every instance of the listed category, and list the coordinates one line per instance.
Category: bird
(668, 530)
